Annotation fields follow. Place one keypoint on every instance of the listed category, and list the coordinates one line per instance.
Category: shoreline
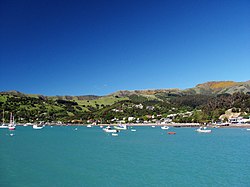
(176, 125)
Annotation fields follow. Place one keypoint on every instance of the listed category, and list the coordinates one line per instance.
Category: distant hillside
(208, 88)
(222, 87)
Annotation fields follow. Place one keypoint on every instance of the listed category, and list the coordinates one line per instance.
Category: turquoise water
(61, 156)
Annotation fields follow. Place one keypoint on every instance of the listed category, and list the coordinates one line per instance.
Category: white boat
(153, 126)
(12, 128)
(165, 127)
(109, 129)
(120, 127)
(248, 129)
(133, 130)
(203, 130)
(114, 134)
(37, 127)
(3, 126)
(11, 125)
(89, 126)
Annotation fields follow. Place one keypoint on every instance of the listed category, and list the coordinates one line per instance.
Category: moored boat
(204, 130)
(12, 128)
(165, 127)
(3, 126)
(11, 125)
(37, 127)
(114, 134)
(171, 133)
(109, 129)
(120, 127)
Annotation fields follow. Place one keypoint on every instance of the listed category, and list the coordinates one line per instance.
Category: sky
(82, 47)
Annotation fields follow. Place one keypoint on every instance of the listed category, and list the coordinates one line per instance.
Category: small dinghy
(165, 127)
(204, 130)
(171, 133)
(114, 134)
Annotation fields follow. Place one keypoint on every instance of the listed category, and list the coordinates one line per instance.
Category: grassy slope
(3, 98)
(107, 100)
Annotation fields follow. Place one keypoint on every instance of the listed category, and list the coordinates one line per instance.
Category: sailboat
(11, 124)
(3, 126)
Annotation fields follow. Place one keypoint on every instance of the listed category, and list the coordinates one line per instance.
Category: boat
(120, 127)
(114, 134)
(248, 129)
(204, 130)
(3, 126)
(133, 130)
(153, 126)
(12, 128)
(109, 129)
(37, 127)
(11, 125)
(165, 127)
(171, 133)
(89, 126)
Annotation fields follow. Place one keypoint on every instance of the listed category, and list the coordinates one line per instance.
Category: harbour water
(63, 156)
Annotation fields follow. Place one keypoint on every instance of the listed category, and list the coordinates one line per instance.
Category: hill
(204, 102)
(222, 87)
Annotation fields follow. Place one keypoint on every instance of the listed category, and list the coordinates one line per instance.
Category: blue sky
(95, 47)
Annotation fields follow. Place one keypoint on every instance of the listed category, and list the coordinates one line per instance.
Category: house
(131, 118)
(140, 106)
(150, 107)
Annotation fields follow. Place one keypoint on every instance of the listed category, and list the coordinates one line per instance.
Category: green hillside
(205, 102)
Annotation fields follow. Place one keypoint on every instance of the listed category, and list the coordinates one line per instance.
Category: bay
(63, 156)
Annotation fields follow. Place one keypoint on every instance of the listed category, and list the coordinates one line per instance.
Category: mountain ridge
(206, 88)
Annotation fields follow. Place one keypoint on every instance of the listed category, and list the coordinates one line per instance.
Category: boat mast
(3, 117)
(11, 118)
